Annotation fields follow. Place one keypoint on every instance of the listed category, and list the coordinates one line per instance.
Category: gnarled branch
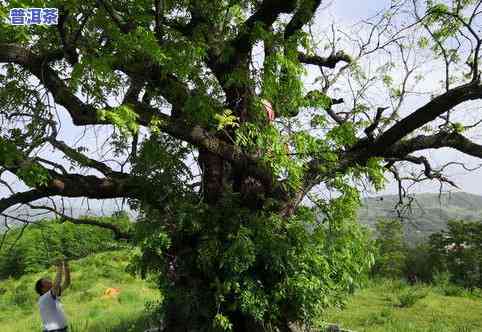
(329, 62)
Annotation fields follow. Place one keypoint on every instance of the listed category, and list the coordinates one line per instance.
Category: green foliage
(453, 290)
(222, 323)
(282, 82)
(391, 254)
(141, 42)
(374, 171)
(319, 100)
(343, 135)
(21, 296)
(94, 77)
(34, 175)
(41, 243)
(446, 22)
(379, 318)
(265, 267)
(438, 10)
(123, 117)
(458, 127)
(449, 259)
(409, 296)
(273, 148)
(459, 251)
(157, 166)
(227, 119)
(419, 263)
(201, 110)
(387, 80)
(8, 153)
(423, 42)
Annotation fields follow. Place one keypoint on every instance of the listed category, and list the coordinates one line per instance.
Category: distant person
(51, 311)
(412, 278)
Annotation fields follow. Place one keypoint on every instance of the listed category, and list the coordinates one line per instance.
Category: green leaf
(226, 119)
(123, 117)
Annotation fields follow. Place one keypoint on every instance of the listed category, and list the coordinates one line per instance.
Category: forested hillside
(428, 213)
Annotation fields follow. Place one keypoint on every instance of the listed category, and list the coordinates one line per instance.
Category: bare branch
(80, 158)
(428, 170)
(370, 129)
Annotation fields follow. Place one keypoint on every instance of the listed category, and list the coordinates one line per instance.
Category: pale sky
(349, 13)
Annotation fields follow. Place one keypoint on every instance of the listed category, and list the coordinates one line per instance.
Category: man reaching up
(51, 311)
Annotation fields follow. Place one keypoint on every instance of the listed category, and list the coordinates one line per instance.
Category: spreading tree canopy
(183, 93)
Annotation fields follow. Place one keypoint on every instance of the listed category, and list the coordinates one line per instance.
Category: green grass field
(84, 302)
(387, 306)
(390, 306)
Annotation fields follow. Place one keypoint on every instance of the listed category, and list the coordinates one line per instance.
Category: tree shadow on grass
(138, 324)
(128, 324)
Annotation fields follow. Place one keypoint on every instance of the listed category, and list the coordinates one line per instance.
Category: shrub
(441, 279)
(380, 318)
(127, 296)
(408, 297)
(82, 283)
(22, 296)
(452, 290)
(444, 286)
(397, 285)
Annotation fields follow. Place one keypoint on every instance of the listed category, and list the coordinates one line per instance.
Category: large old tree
(179, 92)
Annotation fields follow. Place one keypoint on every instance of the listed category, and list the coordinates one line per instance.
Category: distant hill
(429, 213)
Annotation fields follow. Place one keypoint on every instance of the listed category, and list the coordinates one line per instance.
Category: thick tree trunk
(213, 173)
(181, 314)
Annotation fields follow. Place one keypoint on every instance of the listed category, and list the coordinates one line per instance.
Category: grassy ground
(86, 306)
(387, 306)
(391, 306)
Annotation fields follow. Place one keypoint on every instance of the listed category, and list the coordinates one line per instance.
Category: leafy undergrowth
(392, 306)
(85, 302)
(388, 306)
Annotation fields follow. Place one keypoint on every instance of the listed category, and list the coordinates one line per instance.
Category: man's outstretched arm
(66, 275)
(56, 287)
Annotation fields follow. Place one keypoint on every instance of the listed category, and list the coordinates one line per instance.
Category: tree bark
(212, 173)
